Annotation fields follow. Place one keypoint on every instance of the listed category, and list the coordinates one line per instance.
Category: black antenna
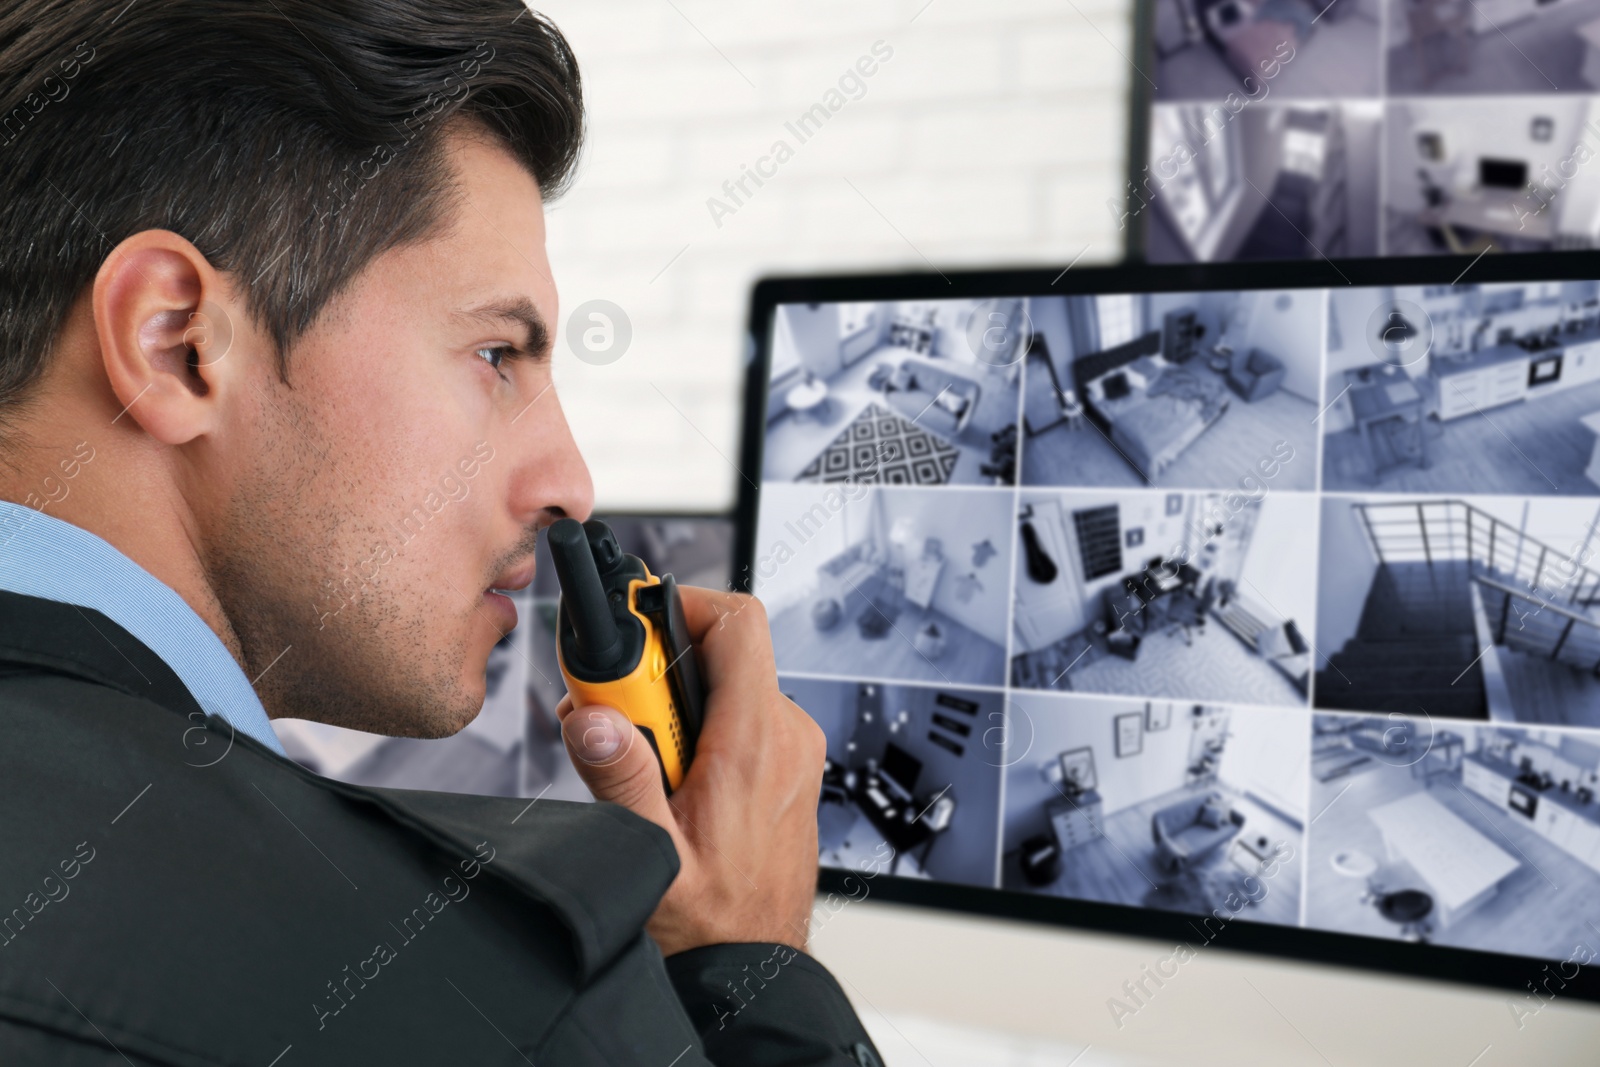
(599, 642)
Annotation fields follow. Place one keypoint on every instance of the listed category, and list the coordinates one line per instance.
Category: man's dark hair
(292, 141)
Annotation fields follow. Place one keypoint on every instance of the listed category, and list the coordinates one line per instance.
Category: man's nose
(556, 470)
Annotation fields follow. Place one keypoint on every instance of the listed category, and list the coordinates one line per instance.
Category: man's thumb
(616, 762)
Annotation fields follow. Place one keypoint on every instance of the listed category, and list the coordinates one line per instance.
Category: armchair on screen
(1255, 374)
(1187, 832)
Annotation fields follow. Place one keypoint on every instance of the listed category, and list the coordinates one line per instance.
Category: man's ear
(165, 321)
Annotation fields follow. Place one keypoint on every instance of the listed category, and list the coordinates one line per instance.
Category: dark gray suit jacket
(171, 893)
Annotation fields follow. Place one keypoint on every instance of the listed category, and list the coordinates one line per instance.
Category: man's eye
(497, 354)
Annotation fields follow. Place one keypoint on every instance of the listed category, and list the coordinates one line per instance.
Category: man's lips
(503, 607)
(496, 600)
(508, 581)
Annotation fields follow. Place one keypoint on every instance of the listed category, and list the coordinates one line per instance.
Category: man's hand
(745, 818)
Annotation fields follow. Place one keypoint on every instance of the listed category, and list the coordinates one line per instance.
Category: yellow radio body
(622, 641)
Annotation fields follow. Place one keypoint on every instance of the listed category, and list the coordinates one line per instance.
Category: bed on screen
(1149, 408)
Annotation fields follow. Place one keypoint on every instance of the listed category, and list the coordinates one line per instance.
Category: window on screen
(1116, 315)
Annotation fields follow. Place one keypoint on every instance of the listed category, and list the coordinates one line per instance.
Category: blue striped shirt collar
(42, 556)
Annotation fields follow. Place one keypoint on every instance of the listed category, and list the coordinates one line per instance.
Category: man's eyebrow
(518, 310)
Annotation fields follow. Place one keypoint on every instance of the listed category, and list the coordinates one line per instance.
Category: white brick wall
(993, 136)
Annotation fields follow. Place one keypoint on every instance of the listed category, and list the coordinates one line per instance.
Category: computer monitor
(1364, 726)
(1309, 130)
(900, 767)
(1502, 173)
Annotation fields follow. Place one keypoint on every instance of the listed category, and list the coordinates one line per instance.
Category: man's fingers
(707, 610)
(702, 608)
(616, 762)
(735, 653)
(730, 630)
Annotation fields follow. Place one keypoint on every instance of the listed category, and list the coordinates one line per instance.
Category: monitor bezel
(838, 887)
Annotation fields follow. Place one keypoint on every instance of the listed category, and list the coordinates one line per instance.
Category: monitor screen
(1502, 173)
(1298, 129)
(1287, 619)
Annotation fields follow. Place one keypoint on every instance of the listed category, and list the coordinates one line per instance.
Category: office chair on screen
(1189, 612)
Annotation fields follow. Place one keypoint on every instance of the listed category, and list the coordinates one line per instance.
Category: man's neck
(111, 480)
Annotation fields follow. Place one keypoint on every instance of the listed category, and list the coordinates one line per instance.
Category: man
(276, 425)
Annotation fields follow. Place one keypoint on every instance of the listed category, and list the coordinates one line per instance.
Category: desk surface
(1493, 212)
(1159, 581)
(889, 820)
(1458, 863)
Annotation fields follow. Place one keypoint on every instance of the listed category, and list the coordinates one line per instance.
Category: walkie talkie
(622, 640)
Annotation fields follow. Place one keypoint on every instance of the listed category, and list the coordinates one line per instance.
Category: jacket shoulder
(202, 899)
